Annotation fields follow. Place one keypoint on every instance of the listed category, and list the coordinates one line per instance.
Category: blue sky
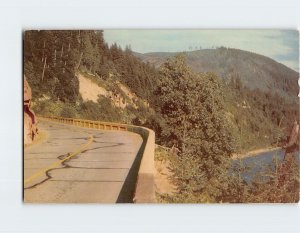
(280, 45)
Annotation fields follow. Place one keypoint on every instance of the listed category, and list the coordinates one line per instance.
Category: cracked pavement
(97, 174)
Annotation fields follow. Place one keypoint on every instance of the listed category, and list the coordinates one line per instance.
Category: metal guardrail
(141, 175)
(89, 123)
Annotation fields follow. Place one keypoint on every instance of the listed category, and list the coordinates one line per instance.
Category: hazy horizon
(280, 45)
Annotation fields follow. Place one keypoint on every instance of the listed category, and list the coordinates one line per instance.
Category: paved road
(79, 165)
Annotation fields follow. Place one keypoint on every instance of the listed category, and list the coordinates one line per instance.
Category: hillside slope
(254, 70)
(92, 87)
(89, 90)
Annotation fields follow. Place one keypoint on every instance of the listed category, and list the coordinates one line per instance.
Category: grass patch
(161, 154)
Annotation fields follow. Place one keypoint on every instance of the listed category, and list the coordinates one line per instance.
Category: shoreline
(252, 153)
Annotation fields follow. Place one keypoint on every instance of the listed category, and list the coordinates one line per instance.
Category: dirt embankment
(163, 174)
(163, 178)
(120, 95)
(89, 90)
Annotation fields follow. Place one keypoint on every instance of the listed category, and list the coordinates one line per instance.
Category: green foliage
(259, 119)
(236, 189)
(193, 103)
(49, 64)
(52, 60)
(101, 111)
(276, 184)
(69, 111)
(48, 108)
(136, 121)
(161, 154)
(157, 124)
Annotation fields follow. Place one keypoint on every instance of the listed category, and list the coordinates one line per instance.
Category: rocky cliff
(30, 122)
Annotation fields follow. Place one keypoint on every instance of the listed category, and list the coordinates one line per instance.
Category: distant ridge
(254, 70)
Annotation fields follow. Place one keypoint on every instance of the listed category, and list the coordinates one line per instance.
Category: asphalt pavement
(80, 165)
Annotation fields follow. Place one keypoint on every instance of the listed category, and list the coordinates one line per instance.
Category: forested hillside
(260, 94)
(53, 57)
(52, 60)
(255, 88)
(207, 121)
(254, 70)
(259, 118)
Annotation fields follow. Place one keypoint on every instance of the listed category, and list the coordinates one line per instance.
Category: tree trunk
(43, 51)
(62, 51)
(79, 61)
(54, 60)
(44, 68)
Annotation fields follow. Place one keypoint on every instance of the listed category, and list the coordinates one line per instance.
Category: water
(261, 162)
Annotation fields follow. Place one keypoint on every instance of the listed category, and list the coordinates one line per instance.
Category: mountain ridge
(255, 71)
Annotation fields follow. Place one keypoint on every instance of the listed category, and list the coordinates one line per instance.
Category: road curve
(80, 165)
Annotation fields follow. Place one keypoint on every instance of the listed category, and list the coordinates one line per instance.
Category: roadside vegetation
(205, 118)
